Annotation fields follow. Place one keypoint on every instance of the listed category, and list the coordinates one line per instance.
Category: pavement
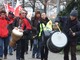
(52, 56)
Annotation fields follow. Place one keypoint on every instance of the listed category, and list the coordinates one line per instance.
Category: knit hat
(74, 13)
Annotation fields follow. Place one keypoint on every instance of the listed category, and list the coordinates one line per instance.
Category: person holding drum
(24, 26)
(71, 27)
(45, 27)
(4, 39)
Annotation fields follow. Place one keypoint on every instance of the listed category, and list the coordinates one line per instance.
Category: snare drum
(57, 42)
(16, 35)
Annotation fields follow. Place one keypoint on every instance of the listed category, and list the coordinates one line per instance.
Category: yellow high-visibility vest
(46, 27)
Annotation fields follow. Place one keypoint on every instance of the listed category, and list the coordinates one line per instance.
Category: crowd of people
(34, 30)
(31, 31)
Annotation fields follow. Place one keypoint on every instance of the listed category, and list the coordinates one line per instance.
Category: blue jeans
(1, 47)
(36, 48)
(4, 46)
(10, 48)
(35, 42)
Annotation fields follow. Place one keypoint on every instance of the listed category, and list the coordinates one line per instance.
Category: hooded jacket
(3, 27)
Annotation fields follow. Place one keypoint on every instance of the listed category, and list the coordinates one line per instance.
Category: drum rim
(52, 48)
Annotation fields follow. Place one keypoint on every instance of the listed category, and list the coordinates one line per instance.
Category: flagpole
(23, 4)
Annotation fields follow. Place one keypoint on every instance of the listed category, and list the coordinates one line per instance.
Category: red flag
(10, 8)
(17, 8)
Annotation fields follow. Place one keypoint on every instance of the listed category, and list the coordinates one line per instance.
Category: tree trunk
(34, 5)
(78, 2)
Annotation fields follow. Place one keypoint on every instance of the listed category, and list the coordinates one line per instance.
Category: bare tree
(44, 2)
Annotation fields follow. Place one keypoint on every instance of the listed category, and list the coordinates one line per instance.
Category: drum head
(17, 32)
(59, 39)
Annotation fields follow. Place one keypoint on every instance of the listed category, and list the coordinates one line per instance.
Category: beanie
(74, 13)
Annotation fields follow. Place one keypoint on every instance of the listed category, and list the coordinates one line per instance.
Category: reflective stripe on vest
(45, 28)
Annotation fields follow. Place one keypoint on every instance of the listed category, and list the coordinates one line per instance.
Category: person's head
(26, 12)
(73, 14)
(22, 13)
(10, 15)
(3, 14)
(37, 14)
(43, 16)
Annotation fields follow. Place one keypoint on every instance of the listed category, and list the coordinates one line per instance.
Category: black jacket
(67, 24)
(35, 22)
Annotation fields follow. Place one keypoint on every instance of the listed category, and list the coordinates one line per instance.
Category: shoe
(26, 52)
(10, 53)
(30, 49)
(41, 58)
(38, 57)
(33, 56)
(45, 59)
(5, 57)
(17, 59)
(21, 59)
(1, 58)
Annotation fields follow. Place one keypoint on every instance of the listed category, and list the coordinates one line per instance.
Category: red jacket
(27, 24)
(3, 28)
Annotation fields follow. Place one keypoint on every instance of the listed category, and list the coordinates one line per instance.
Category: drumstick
(71, 30)
(58, 28)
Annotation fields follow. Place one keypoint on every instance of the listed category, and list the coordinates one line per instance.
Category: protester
(71, 27)
(35, 20)
(24, 25)
(44, 26)
(4, 39)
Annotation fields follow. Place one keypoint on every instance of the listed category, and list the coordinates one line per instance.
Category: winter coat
(26, 26)
(3, 28)
(69, 26)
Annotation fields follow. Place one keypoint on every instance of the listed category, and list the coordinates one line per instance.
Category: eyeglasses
(24, 13)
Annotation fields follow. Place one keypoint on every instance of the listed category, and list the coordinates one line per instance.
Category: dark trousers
(44, 52)
(20, 49)
(26, 45)
(6, 43)
(29, 37)
(70, 46)
(31, 44)
(44, 49)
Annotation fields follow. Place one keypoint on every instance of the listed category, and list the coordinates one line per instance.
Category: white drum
(16, 35)
(59, 39)
(17, 32)
(57, 42)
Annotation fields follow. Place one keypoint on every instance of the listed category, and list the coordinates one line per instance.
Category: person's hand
(20, 30)
(56, 23)
(73, 34)
(16, 28)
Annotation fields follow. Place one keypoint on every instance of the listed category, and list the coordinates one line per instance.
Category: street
(52, 56)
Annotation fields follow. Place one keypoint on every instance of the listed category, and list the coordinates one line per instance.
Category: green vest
(46, 27)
